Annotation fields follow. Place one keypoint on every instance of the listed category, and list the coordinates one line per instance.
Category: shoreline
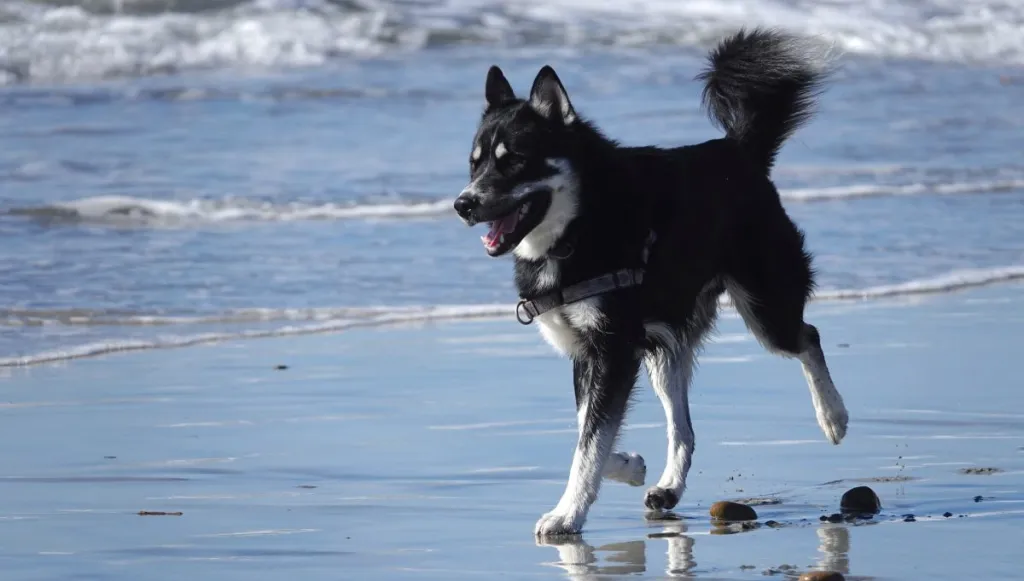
(951, 283)
(428, 453)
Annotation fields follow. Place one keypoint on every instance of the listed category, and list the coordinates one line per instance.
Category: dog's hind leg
(770, 295)
(604, 378)
(828, 403)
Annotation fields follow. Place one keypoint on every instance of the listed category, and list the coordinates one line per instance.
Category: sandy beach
(428, 453)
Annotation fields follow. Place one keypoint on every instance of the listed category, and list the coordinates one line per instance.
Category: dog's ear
(548, 97)
(497, 91)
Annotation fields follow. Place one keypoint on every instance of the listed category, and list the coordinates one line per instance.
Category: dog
(621, 253)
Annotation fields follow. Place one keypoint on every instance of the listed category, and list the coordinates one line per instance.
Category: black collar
(529, 309)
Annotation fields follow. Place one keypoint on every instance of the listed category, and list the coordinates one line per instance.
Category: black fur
(717, 217)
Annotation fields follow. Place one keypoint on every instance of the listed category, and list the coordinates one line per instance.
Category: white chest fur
(564, 328)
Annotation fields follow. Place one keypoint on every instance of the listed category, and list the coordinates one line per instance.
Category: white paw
(833, 423)
(627, 467)
(558, 524)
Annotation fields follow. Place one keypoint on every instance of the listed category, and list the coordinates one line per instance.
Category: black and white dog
(621, 253)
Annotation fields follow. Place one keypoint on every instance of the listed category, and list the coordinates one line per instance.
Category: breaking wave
(917, 189)
(335, 319)
(82, 39)
(134, 211)
(372, 318)
(126, 210)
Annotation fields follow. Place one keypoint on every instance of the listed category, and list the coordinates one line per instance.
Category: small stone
(980, 471)
(909, 518)
(835, 518)
(860, 500)
(822, 576)
(947, 514)
(843, 345)
(732, 511)
(978, 498)
(280, 367)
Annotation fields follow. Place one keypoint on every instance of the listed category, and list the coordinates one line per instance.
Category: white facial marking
(564, 201)
(500, 151)
(477, 152)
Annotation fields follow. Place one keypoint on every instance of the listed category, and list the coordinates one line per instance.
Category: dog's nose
(465, 204)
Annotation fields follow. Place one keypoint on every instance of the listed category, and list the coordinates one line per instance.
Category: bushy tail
(760, 87)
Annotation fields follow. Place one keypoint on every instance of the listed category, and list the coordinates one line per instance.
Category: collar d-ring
(523, 314)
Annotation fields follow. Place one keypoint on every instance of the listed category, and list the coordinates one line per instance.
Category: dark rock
(980, 471)
(947, 514)
(732, 511)
(860, 500)
(280, 367)
(978, 498)
(835, 518)
(909, 518)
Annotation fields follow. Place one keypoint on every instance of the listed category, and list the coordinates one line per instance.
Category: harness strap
(529, 309)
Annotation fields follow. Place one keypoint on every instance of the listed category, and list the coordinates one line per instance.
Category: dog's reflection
(585, 562)
(835, 548)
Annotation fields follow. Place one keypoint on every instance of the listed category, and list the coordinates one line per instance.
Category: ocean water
(174, 172)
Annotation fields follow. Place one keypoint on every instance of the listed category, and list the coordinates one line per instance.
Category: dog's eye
(509, 161)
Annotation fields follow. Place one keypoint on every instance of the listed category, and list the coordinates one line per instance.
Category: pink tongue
(499, 227)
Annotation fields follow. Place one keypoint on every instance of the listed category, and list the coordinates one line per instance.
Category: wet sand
(428, 453)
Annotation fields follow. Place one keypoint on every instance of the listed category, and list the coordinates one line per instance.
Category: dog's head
(521, 180)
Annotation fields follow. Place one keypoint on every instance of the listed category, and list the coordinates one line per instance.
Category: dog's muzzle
(465, 205)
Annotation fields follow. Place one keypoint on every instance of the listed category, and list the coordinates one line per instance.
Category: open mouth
(508, 231)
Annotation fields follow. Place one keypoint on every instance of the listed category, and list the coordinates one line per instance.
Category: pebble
(822, 576)
(280, 367)
(860, 500)
(947, 514)
(982, 471)
(732, 511)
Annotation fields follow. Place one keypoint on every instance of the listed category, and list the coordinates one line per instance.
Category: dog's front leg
(604, 376)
